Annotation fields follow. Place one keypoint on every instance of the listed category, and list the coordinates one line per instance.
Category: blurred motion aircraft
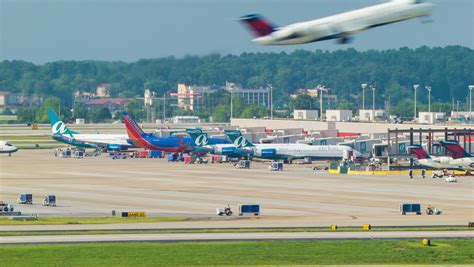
(340, 26)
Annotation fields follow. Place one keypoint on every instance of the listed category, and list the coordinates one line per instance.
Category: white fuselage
(6, 148)
(103, 139)
(466, 164)
(296, 151)
(437, 162)
(345, 24)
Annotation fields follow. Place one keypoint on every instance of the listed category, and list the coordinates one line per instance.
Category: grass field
(241, 230)
(234, 253)
(91, 220)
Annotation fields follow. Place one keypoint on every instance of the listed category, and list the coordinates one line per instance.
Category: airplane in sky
(426, 160)
(341, 26)
(167, 144)
(61, 133)
(289, 152)
(460, 156)
(7, 148)
(230, 150)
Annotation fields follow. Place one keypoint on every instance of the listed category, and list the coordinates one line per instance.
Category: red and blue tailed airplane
(167, 144)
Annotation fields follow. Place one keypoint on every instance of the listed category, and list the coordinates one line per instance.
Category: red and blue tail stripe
(419, 152)
(258, 25)
(454, 149)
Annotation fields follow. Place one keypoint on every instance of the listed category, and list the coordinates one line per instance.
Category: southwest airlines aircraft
(340, 26)
(167, 144)
(61, 133)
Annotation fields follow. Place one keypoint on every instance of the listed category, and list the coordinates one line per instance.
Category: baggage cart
(25, 199)
(410, 208)
(49, 200)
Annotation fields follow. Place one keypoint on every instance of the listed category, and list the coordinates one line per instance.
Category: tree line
(448, 70)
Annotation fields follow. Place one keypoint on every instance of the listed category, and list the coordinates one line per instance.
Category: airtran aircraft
(168, 144)
(290, 152)
(341, 26)
(230, 150)
(61, 133)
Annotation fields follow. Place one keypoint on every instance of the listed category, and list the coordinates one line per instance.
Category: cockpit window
(419, 1)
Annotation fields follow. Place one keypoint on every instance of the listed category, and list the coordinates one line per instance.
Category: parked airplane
(7, 148)
(460, 156)
(230, 150)
(61, 133)
(168, 144)
(341, 26)
(290, 152)
(425, 159)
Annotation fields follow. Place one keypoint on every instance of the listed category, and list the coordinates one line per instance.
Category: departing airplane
(426, 160)
(460, 156)
(290, 152)
(61, 133)
(230, 150)
(168, 144)
(341, 26)
(7, 148)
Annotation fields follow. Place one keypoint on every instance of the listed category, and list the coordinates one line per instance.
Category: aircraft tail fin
(57, 125)
(257, 25)
(454, 149)
(199, 138)
(236, 137)
(133, 129)
(419, 152)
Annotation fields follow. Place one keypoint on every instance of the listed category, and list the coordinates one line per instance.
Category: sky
(43, 31)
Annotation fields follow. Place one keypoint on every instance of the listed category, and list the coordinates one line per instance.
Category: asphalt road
(70, 239)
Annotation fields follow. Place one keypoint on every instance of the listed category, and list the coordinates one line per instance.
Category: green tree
(221, 114)
(100, 114)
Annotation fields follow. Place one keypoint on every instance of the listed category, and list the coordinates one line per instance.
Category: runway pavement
(296, 197)
(69, 239)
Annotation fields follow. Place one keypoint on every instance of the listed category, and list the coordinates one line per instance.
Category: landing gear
(345, 40)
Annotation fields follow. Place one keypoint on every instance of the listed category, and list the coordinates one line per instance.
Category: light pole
(373, 101)
(231, 104)
(429, 98)
(271, 101)
(364, 85)
(321, 88)
(416, 86)
(470, 102)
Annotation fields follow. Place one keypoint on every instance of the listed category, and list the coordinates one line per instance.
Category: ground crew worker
(410, 173)
(423, 173)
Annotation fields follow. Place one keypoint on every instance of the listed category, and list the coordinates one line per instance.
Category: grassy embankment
(239, 253)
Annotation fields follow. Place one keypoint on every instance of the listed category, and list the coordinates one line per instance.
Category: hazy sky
(45, 30)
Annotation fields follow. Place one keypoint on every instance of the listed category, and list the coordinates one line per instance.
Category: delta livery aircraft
(61, 133)
(167, 144)
(341, 26)
(427, 160)
(460, 156)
